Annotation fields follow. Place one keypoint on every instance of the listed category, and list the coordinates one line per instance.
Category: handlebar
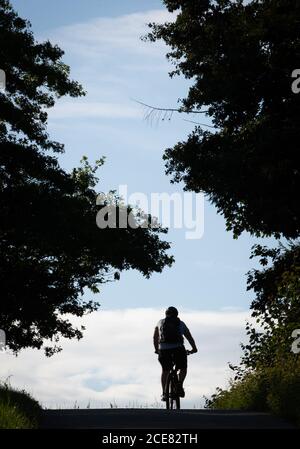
(189, 352)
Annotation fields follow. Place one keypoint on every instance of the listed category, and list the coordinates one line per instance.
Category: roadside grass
(104, 405)
(273, 389)
(18, 410)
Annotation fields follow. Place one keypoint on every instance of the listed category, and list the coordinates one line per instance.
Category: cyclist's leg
(165, 360)
(181, 362)
(164, 375)
(181, 365)
(182, 375)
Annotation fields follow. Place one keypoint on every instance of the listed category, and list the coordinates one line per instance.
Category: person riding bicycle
(169, 345)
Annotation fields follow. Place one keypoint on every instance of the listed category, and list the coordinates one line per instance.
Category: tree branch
(201, 124)
(191, 111)
(154, 113)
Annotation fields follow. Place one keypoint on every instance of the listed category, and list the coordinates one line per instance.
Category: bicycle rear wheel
(172, 397)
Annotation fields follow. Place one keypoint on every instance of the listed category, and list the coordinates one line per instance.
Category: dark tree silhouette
(276, 306)
(240, 56)
(51, 248)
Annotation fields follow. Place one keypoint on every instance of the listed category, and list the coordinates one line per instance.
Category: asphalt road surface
(159, 419)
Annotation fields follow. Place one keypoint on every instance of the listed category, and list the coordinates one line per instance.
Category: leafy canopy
(240, 57)
(51, 249)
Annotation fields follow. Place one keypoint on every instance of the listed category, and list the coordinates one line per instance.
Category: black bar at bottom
(146, 438)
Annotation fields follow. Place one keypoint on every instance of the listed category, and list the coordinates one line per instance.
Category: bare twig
(155, 114)
(154, 108)
(200, 124)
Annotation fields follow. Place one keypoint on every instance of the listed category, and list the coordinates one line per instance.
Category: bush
(275, 389)
(246, 394)
(12, 418)
(17, 409)
(284, 392)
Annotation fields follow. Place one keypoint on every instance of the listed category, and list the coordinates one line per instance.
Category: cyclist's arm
(155, 339)
(190, 339)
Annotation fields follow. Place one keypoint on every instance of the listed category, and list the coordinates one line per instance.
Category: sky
(207, 283)
(115, 363)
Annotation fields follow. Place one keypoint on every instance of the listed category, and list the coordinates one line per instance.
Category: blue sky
(207, 282)
(47, 15)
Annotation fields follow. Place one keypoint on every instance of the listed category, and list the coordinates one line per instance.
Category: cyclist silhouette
(169, 345)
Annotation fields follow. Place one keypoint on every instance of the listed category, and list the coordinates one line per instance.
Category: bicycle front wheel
(172, 397)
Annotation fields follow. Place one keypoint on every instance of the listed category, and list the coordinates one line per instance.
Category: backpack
(170, 331)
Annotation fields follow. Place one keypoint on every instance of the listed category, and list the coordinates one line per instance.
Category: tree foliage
(276, 306)
(51, 248)
(268, 377)
(240, 57)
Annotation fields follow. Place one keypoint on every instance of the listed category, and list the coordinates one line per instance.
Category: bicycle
(171, 393)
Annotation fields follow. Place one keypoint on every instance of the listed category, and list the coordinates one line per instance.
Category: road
(159, 419)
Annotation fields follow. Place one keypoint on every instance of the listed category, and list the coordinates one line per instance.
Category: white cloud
(100, 36)
(115, 361)
(81, 110)
(110, 60)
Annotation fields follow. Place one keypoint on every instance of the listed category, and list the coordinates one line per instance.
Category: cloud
(100, 36)
(108, 57)
(76, 110)
(115, 361)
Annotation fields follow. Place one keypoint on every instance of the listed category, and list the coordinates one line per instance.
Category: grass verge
(18, 410)
(275, 389)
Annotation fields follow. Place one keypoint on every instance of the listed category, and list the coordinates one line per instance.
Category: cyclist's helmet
(171, 311)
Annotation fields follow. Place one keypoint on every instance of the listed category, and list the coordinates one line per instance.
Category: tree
(276, 307)
(51, 248)
(240, 57)
(268, 377)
